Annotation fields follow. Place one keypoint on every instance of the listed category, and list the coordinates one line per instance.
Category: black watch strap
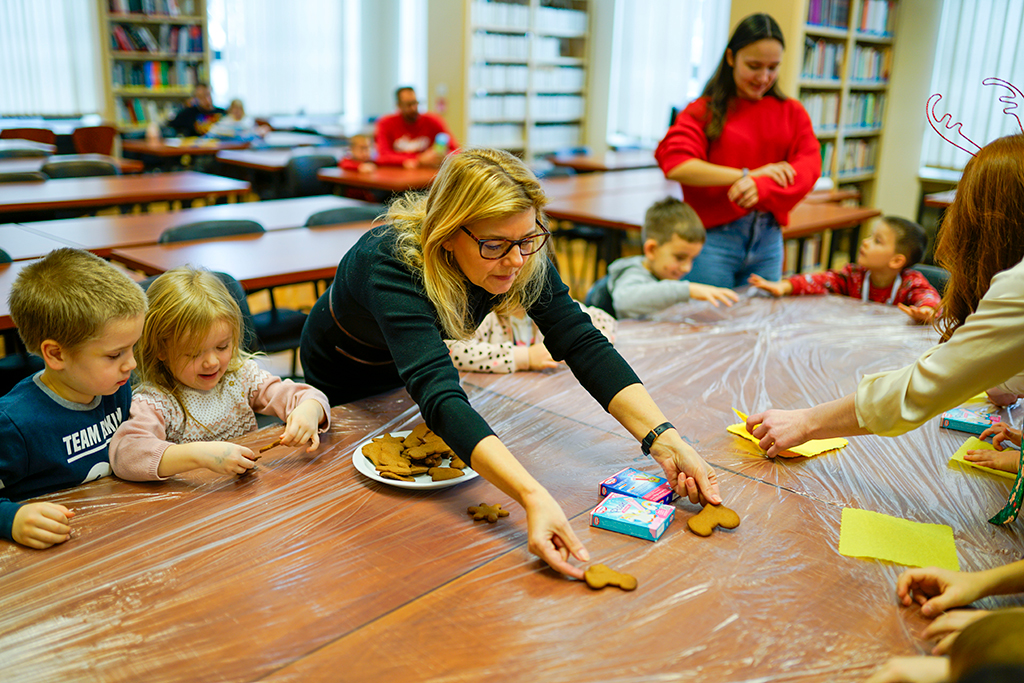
(652, 435)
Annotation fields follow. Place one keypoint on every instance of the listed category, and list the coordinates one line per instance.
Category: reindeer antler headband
(1012, 100)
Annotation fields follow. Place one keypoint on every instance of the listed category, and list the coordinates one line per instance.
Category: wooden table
(272, 160)
(387, 178)
(940, 200)
(75, 193)
(609, 161)
(102, 234)
(306, 570)
(178, 147)
(15, 143)
(31, 164)
(269, 259)
(22, 243)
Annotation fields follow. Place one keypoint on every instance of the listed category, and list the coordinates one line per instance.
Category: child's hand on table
(920, 314)
(713, 294)
(948, 626)
(41, 525)
(302, 425)
(937, 589)
(781, 288)
(540, 358)
(912, 670)
(223, 457)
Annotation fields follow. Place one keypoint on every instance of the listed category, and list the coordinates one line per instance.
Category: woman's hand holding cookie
(685, 470)
(550, 536)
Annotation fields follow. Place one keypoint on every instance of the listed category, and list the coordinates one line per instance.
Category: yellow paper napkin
(811, 448)
(863, 533)
(976, 444)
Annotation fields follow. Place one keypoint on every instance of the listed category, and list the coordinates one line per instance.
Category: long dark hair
(721, 88)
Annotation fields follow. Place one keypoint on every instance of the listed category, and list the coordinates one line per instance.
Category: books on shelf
(864, 110)
(823, 59)
(155, 75)
(181, 40)
(831, 13)
(823, 108)
(170, 8)
(858, 156)
(138, 111)
(877, 17)
(871, 64)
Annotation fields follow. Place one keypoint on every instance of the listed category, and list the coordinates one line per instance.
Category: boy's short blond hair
(668, 217)
(69, 296)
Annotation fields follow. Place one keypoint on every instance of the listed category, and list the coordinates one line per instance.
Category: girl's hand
(540, 358)
(938, 590)
(743, 192)
(223, 457)
(302, 425)
(1001, 432)
(948, 626)
(780, 171)
(550, 536)
(920, 314)
(781, 288)
(713, 294)
(912, 670)
(778, 430)
(41, 525)
(1005, 461)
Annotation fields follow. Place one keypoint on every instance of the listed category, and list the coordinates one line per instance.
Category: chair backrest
(238, 294)
(94, 139)
(555, 172)
(204, 230)
(71, 167)
(346, 214)
(5, 257)
(600, 297)
(936, 276)
(21, 177)
(300, 174)
(22, 152)
(43, 135)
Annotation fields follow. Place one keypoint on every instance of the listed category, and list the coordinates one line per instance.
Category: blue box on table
(633, 482)
(632, 516)
(973, 420)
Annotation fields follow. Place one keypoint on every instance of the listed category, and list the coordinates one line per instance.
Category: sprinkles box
(632, 516)
(974, 420)
(633, 482)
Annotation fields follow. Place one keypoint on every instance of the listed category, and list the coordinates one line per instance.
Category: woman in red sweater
(745, 155)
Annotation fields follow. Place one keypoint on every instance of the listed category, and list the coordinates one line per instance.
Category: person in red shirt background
(410, 138)
(745, 155)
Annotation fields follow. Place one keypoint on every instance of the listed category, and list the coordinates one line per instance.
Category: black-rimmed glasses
(494, 249)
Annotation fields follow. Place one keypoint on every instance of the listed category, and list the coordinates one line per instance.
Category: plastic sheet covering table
(308, 571)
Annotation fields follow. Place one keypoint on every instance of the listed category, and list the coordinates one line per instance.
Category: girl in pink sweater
(197, 388)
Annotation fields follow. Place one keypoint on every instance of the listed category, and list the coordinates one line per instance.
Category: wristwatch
(648, 440)
(745, 172)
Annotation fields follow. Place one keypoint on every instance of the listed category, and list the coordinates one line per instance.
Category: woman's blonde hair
(184, 304)
(472, 185)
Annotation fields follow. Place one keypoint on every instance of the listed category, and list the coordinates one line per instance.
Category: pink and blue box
(635, 503)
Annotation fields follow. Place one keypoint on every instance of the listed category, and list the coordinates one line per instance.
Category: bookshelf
(153, 53)
(518, 77)
(838, 61)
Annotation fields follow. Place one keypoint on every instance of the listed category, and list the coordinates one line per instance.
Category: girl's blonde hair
(472, 185)
(184, 304)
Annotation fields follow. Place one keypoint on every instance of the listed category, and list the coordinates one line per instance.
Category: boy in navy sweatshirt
(83, 317)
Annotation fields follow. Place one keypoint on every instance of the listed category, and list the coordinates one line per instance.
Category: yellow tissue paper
(976, 444)
(811, 448)
(863, 533)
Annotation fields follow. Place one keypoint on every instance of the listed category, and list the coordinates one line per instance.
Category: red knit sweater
(755, 133)
(396, 138)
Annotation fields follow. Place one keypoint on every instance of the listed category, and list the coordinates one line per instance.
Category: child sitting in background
(504, 344)
(672, 237)
(197, 388)
(83, 317)
(236, 125)
(360, 155)
(883, 272)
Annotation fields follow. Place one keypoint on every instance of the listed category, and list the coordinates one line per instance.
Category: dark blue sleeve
(13, 459)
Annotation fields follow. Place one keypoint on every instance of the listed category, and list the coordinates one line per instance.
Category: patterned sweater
(220, 414)
(914, 288)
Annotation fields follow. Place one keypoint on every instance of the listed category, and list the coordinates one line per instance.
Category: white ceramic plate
(423, 481)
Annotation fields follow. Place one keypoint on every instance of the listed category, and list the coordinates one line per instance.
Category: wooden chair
(43, 135)
(276, 330)
(94, 140)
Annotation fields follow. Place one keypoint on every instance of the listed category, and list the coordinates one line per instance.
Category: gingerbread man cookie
(489, 512)
(705, 521)
(598, 576)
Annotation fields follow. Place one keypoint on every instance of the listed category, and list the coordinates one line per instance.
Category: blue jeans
(735, 251)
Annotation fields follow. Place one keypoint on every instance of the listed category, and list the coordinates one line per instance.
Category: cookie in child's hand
(598, 576)
(705, 521)
(489, 512)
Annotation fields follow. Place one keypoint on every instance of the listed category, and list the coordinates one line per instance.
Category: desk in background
(101, 234)
(103, 191)
(306, 570)
(32, 164)
(385, 178)
(609, 161)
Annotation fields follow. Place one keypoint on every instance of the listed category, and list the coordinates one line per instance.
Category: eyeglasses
(494, 249)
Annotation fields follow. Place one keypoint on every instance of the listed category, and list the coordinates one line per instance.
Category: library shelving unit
(518, 75)
(153, 53)
(837, 61)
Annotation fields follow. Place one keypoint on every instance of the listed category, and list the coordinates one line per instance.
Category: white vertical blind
(663, 52)
(49, 52)
(977, 39)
